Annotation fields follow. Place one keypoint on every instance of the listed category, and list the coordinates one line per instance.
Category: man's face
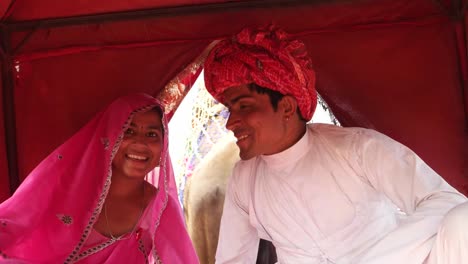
(140, 150)
(258, 128)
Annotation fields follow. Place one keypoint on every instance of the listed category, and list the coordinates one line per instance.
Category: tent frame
(9, 108)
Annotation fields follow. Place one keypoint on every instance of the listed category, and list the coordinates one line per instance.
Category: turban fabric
(267, 57)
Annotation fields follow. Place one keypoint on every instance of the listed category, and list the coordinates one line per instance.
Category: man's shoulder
(240, 182)
(342, 137)
(329, 128)
(337, 132)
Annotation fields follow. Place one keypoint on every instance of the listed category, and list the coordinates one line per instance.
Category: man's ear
(288, 105)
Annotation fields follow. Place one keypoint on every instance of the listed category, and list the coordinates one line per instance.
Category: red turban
(266, 57)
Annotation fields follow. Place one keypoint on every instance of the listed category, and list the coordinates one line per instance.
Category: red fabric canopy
(396, 66)
(24, 10)
(4, 179)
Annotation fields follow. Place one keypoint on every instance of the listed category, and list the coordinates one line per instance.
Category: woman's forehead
(150, 118)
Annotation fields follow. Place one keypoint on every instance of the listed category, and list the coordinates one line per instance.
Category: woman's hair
(158, 109)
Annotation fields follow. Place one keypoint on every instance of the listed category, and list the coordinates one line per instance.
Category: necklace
(121, 237)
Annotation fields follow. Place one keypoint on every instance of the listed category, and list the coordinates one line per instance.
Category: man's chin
(246, 155)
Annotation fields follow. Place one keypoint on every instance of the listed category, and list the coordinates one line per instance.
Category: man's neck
(300, 132)
(295, 133)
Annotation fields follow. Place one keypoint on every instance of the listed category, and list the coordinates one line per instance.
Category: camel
(204, 198)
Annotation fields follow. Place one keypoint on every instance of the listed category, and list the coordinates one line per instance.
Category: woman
(90, 200)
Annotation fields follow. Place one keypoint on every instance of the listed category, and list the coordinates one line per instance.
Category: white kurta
(333, 197)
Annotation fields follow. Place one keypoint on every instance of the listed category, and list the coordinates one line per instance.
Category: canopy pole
(9, 109)
(156, 12)
(460, 34)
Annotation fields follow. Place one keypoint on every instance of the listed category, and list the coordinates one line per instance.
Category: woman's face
(140, 150)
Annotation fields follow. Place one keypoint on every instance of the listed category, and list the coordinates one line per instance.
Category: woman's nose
(140, 139)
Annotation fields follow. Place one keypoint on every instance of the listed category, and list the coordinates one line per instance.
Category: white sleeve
(238, 239)
(412, 185)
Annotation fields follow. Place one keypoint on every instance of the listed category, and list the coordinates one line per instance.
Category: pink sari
(52, 214)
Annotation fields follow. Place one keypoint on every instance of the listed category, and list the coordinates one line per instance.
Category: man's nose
(233, 121)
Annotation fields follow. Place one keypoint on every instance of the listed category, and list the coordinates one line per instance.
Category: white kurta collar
(290, 155)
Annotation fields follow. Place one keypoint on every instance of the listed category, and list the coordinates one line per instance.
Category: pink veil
(52, 213)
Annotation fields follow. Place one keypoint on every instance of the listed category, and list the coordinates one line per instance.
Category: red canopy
(396, 66)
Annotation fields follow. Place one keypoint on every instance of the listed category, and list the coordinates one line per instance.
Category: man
(320, 193)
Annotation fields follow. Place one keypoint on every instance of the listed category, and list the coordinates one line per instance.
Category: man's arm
(423, 195)
(238, 239)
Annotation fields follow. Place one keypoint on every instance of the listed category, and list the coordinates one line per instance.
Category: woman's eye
(129, 131)
(152, 134)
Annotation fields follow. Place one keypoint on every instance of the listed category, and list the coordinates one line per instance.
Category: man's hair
(274, 96)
